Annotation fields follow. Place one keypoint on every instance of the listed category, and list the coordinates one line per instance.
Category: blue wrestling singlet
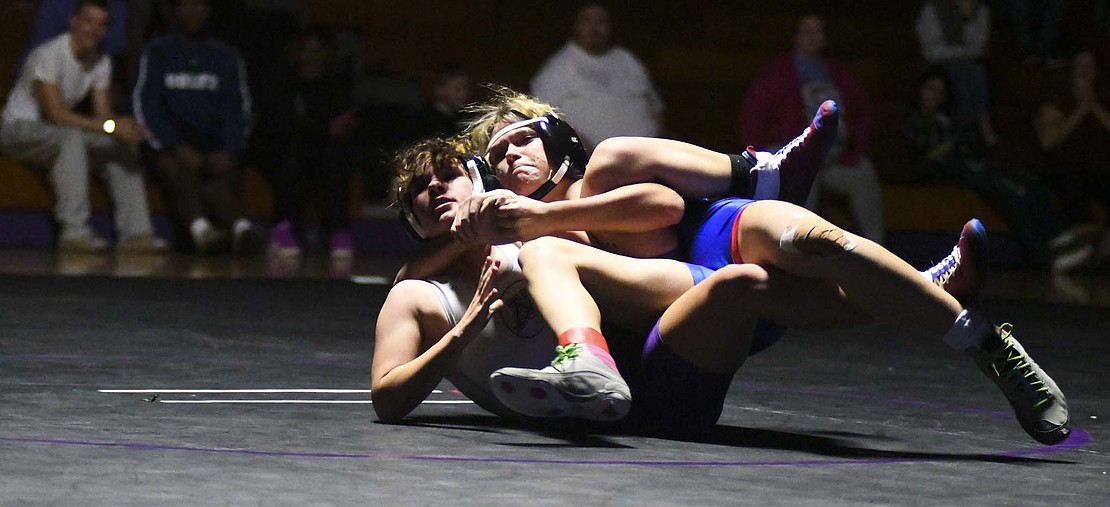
(708, 231)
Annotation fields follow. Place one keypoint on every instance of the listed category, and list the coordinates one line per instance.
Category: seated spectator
(443, 116)
(312, 147)
(953, 153)
(40, 126)
(53, 19)
(601, 88)
(953, 35)
(780, 102)
(122, 43)
(1073, 131)
(192, 99)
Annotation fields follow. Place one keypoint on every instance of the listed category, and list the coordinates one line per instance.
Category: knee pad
(813, 236)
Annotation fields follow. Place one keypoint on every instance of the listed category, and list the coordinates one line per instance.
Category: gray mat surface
(871, 416)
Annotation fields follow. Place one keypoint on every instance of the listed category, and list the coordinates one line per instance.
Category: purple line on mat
(1078, 438)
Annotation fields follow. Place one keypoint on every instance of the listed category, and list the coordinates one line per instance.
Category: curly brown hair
(412, 161)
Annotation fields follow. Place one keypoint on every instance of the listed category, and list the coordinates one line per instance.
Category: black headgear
(480, 174)
(561, 143)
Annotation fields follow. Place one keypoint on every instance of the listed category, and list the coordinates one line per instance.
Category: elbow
(388, 411)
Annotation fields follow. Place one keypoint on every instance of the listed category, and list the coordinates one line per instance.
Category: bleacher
(702, 56)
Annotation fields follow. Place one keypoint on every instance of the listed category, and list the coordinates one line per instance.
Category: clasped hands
(497, 217)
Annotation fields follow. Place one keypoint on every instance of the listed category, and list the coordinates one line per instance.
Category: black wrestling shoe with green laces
(1039, 405)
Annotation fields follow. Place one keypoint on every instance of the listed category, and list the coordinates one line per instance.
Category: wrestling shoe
(1039, 405)
(963, 273)
(577, 384)
(788, 174)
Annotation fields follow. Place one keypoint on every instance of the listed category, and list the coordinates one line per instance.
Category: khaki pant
(860, 185)
(72, 155)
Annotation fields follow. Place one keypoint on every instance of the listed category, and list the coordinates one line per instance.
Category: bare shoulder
(412, 295)
(411, 315)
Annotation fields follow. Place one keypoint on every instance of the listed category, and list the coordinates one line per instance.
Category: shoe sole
(539, 397)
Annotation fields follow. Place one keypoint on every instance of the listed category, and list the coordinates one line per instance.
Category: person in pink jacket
(776, 106)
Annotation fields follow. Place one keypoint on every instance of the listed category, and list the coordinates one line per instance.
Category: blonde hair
(411, 161)
(506, 106)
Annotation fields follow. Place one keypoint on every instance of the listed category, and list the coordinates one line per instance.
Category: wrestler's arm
(434, 256)
(634, 208)
(414, 347)
(439, 253)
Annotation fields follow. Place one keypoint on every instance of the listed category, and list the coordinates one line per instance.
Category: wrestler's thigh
(792, 238)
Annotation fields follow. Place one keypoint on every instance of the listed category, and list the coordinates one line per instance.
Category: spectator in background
(193, 101)
(443, 116)
(53, 19)
(40, 126)
(953, 35)
(779, 103)
(1073, 131)
(311, 146)
(1036, 25)
(601, 89)
(952, 153)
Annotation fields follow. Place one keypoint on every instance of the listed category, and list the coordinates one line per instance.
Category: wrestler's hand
(520, 218)
(486, 300)
(475, 221)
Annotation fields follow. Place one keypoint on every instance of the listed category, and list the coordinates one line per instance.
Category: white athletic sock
(969, 331)
(767, 177)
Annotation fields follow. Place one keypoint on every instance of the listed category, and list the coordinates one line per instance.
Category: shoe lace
(1009, 363)
(794, 143)
(565, 353)
(943, 270)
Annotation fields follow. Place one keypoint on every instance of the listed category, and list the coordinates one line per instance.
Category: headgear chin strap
(561, 143)
(480, 175)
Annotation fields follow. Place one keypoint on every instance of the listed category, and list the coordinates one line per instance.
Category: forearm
(434, 257)
(634, 208)
(69, 118)
(403, 388)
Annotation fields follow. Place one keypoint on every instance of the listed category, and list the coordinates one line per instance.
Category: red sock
(593, 340)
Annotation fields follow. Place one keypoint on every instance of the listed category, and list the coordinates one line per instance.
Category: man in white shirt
(41, 127)
(601, 89)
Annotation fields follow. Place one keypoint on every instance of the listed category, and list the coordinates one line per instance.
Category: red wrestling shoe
(793, 168)
(963, 273)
